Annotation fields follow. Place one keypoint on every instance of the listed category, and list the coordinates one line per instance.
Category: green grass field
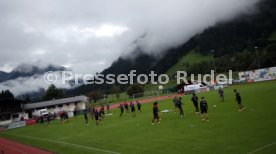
(228, 130)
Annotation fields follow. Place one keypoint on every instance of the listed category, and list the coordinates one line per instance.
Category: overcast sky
(89, 35)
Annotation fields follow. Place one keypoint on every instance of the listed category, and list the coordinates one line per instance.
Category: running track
(11, 147)
(143, 101)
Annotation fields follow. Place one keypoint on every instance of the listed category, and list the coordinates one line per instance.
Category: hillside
(190, 58)
(242, 33)
(233, 41)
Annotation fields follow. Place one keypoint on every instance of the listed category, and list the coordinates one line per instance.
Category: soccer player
(122, 109)
(138, 106)
(155, 113)
(179, 105)
(195, 102)
(97, 115)
(49, 119)
(204, 109)
(221, 94)
(132, 107)
(85, 117)
(238, 100)
(102, 112)
(126, 106)
(66, 115)
(175, 103)
(92, 112)
(61, 114)
(75, 112)
(107, 108)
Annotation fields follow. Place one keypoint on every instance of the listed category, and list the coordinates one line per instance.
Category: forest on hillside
(237, 45)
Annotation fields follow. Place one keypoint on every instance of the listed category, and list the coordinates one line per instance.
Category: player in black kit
(179, 105)
(85, 117)
(155, 113)
(122, 109)
(132, 107)
(138, 106)
(96, 114)
(195, 102)
(204, 109)
(238, 100)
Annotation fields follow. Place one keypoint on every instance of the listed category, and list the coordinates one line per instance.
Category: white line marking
(72, 144)
(261, 148)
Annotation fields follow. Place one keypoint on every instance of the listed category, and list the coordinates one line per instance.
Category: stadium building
(56, 105)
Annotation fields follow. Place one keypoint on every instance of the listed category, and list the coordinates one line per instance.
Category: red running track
(11, 147)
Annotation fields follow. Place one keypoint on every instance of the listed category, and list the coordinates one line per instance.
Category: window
(51, 107)
(61, 105)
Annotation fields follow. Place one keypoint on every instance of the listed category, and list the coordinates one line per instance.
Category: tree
(95, 95)
(52, 93)
(27, 99)
(135, 89)
(116, 90)
(187, 65)
(6, 95)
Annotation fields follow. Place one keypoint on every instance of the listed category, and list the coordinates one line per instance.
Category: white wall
(20, 114)
(5, 122)
(69, 108)
(82, 105)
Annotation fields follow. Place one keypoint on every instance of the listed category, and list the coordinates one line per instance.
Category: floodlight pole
(258, 59)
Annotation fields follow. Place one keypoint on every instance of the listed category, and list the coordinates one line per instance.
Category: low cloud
(88, 36)
(31, 84)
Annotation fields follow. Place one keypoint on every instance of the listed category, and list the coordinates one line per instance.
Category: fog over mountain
(27, 78)
(88, 36)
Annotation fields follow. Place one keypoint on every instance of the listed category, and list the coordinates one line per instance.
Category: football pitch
(228, 131)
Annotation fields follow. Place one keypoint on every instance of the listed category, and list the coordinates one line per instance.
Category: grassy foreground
(228, 130)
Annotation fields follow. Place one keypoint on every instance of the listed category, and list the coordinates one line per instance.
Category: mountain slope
(244, 32)
(232, 41)
(3, 75)
(190, 58)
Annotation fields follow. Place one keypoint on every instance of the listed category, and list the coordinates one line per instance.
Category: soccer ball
(215, 105)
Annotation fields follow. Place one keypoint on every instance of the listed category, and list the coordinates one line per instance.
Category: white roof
(55, 102)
